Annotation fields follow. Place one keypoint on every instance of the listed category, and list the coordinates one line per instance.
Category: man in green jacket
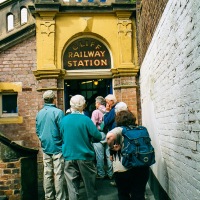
(78, 133)
(48, 131)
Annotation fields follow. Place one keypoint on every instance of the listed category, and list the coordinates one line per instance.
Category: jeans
(53, 177)
(86, 169)
(101, 150)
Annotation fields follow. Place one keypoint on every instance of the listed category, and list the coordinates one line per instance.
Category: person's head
(125, 118)
(49, 96)
(111, 100)
(120, 106)
(100, 101)
(77, 103)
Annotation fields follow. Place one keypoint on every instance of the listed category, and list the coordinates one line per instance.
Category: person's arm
(114, 139)
(94, 117)
(93, 131)
(58, 120)
(109, 117)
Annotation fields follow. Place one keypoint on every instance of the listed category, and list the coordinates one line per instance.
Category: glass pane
(23, 15)
(10, 22)
(9, 103)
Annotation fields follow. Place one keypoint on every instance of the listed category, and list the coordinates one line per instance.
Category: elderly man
(78, 133)
(101, 148)
(109, 117)
(48, 131)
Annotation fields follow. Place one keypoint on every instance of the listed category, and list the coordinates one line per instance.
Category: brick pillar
(126, 90)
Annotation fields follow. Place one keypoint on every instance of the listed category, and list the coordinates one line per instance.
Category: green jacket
(78, 132)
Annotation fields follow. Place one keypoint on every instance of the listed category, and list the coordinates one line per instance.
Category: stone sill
(11, 120)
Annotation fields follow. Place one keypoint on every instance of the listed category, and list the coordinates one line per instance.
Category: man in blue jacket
(48, 131)
(78, 133)
(109, 117)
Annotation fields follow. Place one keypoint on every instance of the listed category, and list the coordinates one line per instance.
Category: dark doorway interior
(90, 89)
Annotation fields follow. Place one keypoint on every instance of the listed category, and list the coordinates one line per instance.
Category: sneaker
(100, 177)
(113, 183)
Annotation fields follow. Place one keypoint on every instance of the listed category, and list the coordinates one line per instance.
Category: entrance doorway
(90, 89)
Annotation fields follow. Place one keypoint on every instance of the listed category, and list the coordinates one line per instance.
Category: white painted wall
(170, 99)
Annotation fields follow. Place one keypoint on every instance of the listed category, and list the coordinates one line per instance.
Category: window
(24, 15)
(8, 102)
(10, 22)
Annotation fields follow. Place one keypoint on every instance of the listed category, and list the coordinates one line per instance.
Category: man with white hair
(48, 131)
(101, 147)
(109, 117)
(78, 134)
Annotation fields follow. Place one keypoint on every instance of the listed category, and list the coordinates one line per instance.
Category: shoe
(113, 183)
(100, 177)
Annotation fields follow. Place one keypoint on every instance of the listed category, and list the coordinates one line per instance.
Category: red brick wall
(126, 90)
(10, 180)
(148, 17)
(16, 65)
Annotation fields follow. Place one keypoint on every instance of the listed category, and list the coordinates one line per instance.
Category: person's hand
(108, 107)
(110, 138)
(111, 157)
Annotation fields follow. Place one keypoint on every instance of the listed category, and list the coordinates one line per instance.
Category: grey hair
(100, 100)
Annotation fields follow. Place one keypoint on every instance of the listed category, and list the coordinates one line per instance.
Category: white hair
(111, 97)
(120, 106)
(77, 102)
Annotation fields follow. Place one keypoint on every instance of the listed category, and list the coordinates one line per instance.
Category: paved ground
(105, 191)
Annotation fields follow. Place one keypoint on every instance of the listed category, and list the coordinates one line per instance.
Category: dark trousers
(131, 184)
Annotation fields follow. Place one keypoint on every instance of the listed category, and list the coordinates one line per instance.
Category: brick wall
(126, 90)
(16, 65)
(10, 180)
(170, 98)
(148, 16)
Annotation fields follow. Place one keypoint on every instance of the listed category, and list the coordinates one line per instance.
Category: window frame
(10, 88)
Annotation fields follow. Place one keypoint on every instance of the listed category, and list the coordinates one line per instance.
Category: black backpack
(137, 150)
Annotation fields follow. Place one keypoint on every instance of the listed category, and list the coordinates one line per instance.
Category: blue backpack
(137, 150)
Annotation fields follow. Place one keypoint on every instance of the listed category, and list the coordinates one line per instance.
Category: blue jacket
(48, 128)
(78, 132)
(109, 119)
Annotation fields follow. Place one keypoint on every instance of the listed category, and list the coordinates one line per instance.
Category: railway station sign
(86, 53)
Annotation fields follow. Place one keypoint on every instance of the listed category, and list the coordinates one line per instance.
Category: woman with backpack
(131, 182)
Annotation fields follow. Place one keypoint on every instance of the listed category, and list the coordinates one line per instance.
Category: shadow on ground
(104, 189)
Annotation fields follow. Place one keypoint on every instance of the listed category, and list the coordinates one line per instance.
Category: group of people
(74, 146)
